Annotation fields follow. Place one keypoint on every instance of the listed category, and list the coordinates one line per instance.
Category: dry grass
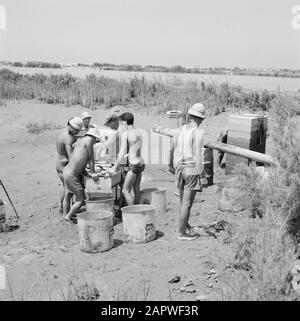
(265, 247)
(37, 128)
(155, 94)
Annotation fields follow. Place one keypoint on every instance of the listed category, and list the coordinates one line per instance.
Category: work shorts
(137, 169)
(187, 178)
(74, 184)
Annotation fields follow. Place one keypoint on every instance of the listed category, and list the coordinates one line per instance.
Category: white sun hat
(76, 122)
(93, 132)
(197, 110)
(86, 115)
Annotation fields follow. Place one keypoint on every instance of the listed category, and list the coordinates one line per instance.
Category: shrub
(36, 128)
(93, 91)
(268, 245)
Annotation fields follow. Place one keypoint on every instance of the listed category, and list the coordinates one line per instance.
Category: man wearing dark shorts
(131, 144)
(186, 155)
(64, 146)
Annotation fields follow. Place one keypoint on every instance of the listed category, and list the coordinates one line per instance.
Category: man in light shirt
(185, 154)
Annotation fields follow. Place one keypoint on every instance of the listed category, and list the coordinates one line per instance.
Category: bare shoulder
(61, 137)
(176, 131)
(135, 134)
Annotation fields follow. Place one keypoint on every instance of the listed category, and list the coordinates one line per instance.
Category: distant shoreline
(277, 73)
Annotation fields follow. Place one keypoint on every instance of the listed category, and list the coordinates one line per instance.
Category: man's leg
(61, 193)
(137, 189)
(66, 202)
(61, 199)
(74, 209)
(129, 181)
(74, 186)
(187, 202)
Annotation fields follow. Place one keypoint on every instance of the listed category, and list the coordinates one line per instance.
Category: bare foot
(68, 220)
(187, 237)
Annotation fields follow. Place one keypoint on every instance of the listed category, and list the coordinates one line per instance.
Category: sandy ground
(42, 255)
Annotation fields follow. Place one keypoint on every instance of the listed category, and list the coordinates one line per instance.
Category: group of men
(185, 160)
(75, 148)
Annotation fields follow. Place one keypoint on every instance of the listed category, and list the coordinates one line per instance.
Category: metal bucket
(100, 205)
(156, 197)
(139, 223)
(95, 230)
(146, 195)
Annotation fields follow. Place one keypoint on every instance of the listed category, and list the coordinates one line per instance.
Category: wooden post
(226, 148)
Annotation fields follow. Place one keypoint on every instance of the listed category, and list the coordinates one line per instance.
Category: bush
(165, 95)
(268, 245)
(36, 128)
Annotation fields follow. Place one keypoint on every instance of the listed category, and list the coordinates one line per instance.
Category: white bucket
(96, 231)
(156, 197)
(146, 195)
(139, 223)
(100, 205)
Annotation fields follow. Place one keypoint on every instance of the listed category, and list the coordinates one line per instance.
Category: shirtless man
(64, 147)
(83, 154)
(114, 130)
(131, 144)
(186, 155)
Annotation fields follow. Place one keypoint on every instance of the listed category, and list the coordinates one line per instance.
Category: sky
(205, 33)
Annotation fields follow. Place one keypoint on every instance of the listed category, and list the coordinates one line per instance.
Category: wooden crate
(104, 185)
(247, 131)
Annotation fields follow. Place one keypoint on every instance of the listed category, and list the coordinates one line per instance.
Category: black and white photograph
(149, 151)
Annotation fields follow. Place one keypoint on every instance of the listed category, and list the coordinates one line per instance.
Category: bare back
(135, 141)
(64, 147)
(82, 154)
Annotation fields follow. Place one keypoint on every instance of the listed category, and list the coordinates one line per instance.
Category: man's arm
(173, 145)
(69, 143)
(90, 148)
(122, 153)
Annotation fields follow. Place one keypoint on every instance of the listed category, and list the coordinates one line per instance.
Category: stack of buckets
(95, 226)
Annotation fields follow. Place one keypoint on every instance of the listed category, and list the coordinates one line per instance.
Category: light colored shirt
(185, 151)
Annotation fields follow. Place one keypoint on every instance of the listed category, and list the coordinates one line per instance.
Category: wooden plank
(226, 148)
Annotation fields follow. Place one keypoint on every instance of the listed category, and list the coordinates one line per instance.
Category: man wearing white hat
(64, 146)
(83, 154)
(86, 120)
(186, 155)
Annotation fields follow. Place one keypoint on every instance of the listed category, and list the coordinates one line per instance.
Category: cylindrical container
(146, 195)
(174, 118)
(95, 230)
(159, 200)
(100, 205)
(208, 165)
(156, 197)
(139, 223)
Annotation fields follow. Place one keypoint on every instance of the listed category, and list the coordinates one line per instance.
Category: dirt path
(43, 253)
